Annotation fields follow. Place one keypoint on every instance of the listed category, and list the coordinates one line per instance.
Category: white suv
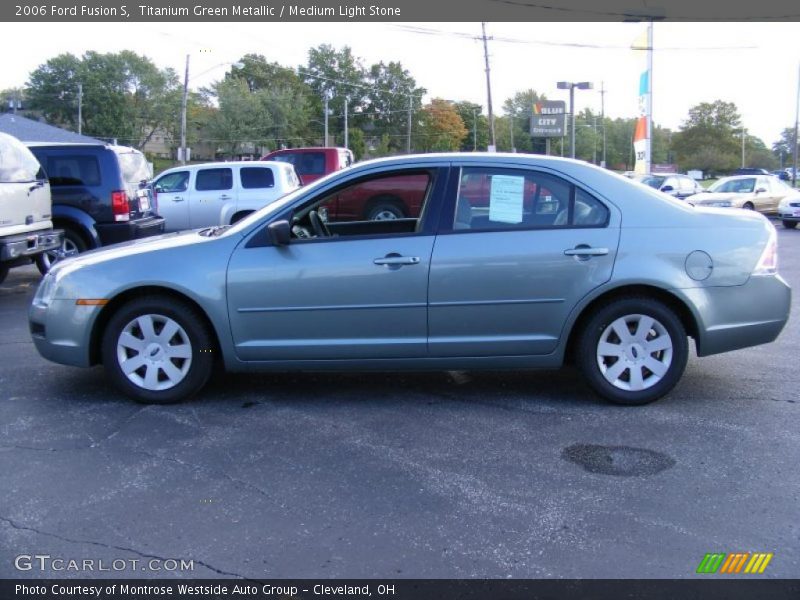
(220, 193)
(26, 229)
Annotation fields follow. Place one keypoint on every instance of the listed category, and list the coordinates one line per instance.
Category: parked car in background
(750, 171)
(783, 175)
(762, 193)
(101, 194)
(220, 193)
(313, 163)
(679, 186)
(789, 210)
(26, 228)
(609, 272)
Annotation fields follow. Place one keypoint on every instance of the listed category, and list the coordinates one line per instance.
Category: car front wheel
(158, 350)
(633, 351)
(790, 224)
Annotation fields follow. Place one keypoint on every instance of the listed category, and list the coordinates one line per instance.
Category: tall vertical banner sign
(642, 133)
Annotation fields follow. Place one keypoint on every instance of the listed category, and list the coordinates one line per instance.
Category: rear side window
(491, 199)
(17, 164)
(257, 177)
(214, 179)
(73, 169)
(134, 166)
(305, 163)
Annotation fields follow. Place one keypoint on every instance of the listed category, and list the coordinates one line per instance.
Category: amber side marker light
(91, 301)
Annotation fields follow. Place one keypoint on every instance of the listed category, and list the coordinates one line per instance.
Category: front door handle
(584, 250)
(177, 199)
(395, 260)
(225, 197)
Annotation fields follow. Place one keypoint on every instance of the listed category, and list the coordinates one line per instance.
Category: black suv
(101, 193)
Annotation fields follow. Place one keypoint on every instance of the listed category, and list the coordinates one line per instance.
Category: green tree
(357, 143)
(783, 147)
(477, 124)
(392, 93)
(125, 96)
(707, 139)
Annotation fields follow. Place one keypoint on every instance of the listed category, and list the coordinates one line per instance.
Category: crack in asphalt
(19, 527)
(118, 427)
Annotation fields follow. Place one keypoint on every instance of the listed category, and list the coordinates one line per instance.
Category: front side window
(736, 186)
(173, 182)
(214, 179)
(490, 199)
(256, 177)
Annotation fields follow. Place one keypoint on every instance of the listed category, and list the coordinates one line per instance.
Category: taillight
(119, 206)
(768, 263)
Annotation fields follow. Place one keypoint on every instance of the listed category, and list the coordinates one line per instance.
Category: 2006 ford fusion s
(510, 262)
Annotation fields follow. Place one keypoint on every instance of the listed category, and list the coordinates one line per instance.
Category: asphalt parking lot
(430, 475)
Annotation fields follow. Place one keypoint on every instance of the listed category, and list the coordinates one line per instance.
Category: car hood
(133, 248)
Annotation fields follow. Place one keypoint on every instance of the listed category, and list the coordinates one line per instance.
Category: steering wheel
(318, 225)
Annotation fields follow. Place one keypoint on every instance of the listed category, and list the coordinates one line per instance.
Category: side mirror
(667, 188)
(280, 232)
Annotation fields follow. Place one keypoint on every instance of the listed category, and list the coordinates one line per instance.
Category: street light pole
(796, 118)
(325, 142)
(569, 85)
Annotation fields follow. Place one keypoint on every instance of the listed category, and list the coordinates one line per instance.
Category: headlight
(47, 290)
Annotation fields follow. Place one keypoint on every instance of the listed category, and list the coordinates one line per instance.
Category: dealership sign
(547, 119)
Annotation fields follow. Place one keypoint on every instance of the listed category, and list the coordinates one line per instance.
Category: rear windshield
(17, 164)
(305, 163)
(135, 167)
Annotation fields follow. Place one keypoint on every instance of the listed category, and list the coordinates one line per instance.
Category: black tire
(3, 273)
(790, 224)
(72, 241)
(748, 206)
(599, 325)
(381, 209)
(195, 332)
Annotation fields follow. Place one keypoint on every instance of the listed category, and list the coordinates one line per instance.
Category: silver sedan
(509, 262)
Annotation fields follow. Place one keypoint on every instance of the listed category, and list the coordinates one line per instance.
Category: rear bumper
(113, 233)
(15, 247)
(734, 317)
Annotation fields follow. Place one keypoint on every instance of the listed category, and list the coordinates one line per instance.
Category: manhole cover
(623, 461)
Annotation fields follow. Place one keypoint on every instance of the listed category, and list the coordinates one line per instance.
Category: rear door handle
(177, 198)
(225, 197)
(396, 260)
(583, 250)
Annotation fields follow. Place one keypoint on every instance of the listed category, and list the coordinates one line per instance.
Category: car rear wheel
(632, 351)
(790, 224)
(385, 210)
(748, 206)
(158, 350)
(73, 244)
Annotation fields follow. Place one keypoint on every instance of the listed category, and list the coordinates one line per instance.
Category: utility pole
(594, 157)
(488, 86)
(603, 119)
(474, 129)
(326, 98)
(80, 108)
(743, 133)
(511, 130)
(184, 101)
(346, 133)
(410, 109)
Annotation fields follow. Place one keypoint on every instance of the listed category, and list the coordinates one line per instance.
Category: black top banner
(399, 10)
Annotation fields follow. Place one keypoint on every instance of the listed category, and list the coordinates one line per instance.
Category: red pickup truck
(389, 198)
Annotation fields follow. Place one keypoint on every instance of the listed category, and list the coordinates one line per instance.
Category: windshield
(135, 167)
(745, 185)
(305, 163)
(651, 180)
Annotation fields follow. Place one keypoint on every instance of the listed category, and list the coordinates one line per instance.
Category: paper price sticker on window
(505, 199)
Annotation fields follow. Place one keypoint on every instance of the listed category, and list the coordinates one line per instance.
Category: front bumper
(734, 317)
(61, 331)
(15, 247)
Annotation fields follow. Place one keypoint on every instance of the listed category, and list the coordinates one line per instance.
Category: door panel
(329, 299)
(212, 191)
